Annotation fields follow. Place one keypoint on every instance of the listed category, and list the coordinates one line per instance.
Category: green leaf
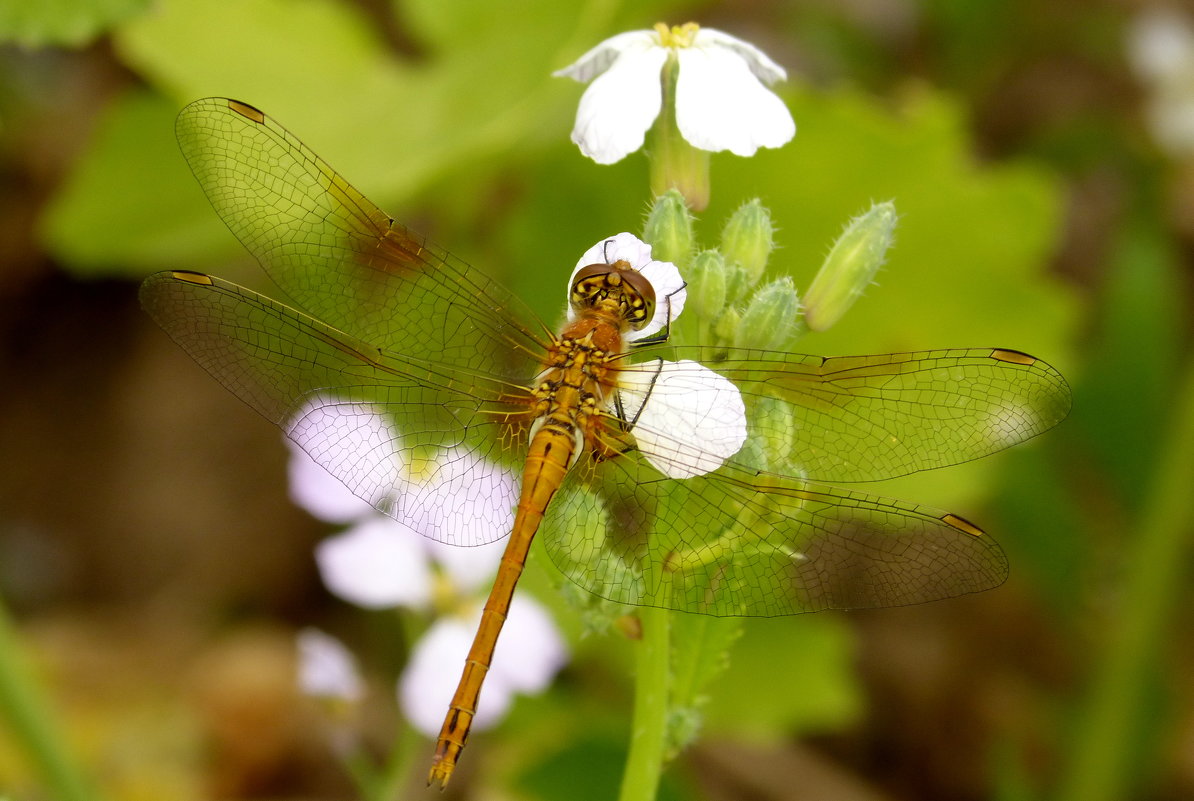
(809, 684)
(700, 653)
(63, 23)
(131, 205)
(389, 125)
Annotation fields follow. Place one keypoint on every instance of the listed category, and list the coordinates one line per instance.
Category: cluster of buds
(735, 306)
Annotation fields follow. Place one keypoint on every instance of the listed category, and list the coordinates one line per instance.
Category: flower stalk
(652, 680)
(1100, 766)
(674, 163)
(27, 718)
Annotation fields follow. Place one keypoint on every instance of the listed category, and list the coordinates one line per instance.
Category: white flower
(326, 668)
(687, 419)
(693, 419)
(721, 100)
(665, 279)
(453, 497)
(528, 655)
(378, 563)
(1161, 50)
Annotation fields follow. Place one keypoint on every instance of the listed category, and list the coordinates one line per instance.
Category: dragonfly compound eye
(617, 287)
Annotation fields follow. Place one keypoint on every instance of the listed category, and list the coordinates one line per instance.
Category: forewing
(428, 443)
(739, 543)
(341, 259)
(867, 418)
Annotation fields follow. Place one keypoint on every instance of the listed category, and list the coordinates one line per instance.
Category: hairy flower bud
(850, 266)
(747, 238)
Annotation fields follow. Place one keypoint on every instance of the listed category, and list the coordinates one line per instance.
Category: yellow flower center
(676, 35)
(448, 598)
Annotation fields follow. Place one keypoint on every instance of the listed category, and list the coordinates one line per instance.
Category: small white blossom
(326, 669)
(378, 563)
(665, 279)
(688, 419)
(426, 687)
(1161, 50)
(693, 420)
(453, 497)
(721, 100)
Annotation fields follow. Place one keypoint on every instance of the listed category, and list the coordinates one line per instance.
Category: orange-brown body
(571, 395)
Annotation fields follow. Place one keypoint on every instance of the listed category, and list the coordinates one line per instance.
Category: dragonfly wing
(340, 258)
(401, 432)
(867, 418)
(739, 543)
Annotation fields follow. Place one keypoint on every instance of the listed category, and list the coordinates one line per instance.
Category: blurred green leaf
(1049, 541)
(388, 125)
(587, 769)
(701, 648)
(968, 263)
(131, 204)
(62, 23)
(810, 686)
(1122, 401)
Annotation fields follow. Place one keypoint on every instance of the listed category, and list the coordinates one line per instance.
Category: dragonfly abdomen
(553, 450)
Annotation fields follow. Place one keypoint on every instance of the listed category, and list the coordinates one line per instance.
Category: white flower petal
(720, 104)
(431, 676)
(763, 67)
(599, 59)
(353, 442)
(470, 569)
(326, 669)
(620, 105)
(619, 247)
(1170, 117)
(463, 500)
(670, 295)
(376, 564)
(530, 651)
(1161, 44)
(665, 279)
(693, 419)
(320, 493)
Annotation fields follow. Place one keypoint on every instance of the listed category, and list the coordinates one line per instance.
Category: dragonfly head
(616, 289)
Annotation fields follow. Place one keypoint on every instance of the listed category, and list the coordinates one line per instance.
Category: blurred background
(154, 571)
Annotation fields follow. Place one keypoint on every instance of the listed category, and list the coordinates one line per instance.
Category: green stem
(652, 681)
(1100, 767)
(388, 781)
(395, 776)
(673, 162)
(27, 717)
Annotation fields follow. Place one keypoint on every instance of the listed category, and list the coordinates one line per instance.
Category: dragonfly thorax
(616, 290)
(579, 374)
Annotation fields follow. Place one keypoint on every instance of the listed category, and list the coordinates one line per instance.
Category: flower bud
(850, 266)
(707, 285)
(776, 429)
(737, 283)
(747, 238)
(772, 318)
(669, 229)
(726, 327)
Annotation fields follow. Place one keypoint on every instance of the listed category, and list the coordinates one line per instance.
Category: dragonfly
(748, 520)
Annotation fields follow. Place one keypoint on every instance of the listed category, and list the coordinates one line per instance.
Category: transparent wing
(739, 542)
(432, 444)
(341, 259)
(867, 418)
(411, 387)
(752, 535)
